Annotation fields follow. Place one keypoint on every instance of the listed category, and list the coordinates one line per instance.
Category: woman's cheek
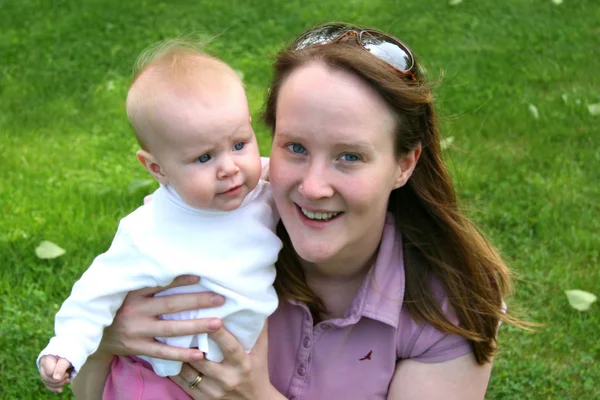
(364, 192)
(281, 172)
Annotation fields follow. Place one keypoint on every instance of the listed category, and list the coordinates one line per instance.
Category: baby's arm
(54, 372)
(95, 298)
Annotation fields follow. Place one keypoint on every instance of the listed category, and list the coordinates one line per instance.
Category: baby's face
(208, 151)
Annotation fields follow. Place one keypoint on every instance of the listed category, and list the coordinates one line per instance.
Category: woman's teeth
(324, 216)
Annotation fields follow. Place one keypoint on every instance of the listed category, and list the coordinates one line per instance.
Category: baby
(212, 215)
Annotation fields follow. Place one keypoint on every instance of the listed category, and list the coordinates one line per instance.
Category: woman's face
(333, 164)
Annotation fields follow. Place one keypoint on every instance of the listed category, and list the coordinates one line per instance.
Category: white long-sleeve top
(233, 252)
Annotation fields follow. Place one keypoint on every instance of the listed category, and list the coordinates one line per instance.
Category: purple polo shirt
(354, 357)
(346, 358)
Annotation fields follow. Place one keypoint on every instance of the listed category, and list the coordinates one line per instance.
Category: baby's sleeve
(95, 298)
(425, 343)
(264, 163)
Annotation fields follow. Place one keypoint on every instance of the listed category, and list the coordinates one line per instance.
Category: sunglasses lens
(390, 51)
(319, 36)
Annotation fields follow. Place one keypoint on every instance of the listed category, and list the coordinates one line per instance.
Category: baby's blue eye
(297, 148)
(203, 158)
(350, 157)
(238, 146)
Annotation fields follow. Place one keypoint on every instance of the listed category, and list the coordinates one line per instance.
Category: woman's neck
(337, 280)
(337, 284)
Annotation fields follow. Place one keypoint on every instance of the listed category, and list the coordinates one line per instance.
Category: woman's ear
(151, 164)
(406, 166)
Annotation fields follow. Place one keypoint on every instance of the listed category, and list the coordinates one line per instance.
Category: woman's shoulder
(422, 341)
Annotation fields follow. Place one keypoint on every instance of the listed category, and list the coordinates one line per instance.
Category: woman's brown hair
(440, 242)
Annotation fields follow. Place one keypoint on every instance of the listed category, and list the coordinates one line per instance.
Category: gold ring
(195, 382)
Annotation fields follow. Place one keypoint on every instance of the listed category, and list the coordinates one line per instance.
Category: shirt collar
(381, 294)
(170, 194)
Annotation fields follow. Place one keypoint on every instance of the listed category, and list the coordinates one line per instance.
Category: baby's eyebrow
(197, 151)
(242, 133)
(241, 129)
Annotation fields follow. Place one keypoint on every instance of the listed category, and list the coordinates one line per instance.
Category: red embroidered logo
(367, 357)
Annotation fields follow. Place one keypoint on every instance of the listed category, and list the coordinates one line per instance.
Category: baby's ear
(151, 164)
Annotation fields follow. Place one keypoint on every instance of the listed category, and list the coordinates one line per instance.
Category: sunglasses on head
(385, 47)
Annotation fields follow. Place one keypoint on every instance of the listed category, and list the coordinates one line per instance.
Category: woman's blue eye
(238, 146)
(297, 148)
(350, 157)
(203, 158)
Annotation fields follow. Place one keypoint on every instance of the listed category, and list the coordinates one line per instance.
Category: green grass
(67, 152)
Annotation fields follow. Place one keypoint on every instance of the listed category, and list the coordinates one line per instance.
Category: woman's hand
(135, 326)
(136, 323)
(238, 376)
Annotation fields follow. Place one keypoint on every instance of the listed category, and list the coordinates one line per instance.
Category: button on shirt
(354, 357)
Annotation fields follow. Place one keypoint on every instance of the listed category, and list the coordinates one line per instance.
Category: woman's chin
(314, 253)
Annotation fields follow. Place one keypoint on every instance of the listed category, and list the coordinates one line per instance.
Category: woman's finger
(179, 302)
(189, 374)
(173, 328)
(206, 389)
(160, 350)
(209, 369)
(182, 383)
(230, 346)
(198, 393)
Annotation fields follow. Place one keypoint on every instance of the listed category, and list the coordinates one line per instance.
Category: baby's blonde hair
(179, 61)
(174, 54)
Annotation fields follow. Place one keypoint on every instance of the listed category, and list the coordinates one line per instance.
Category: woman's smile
(319, 216)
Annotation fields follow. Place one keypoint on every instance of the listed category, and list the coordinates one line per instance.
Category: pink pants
(131, 378)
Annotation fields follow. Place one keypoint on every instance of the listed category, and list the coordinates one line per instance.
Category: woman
(387, 290)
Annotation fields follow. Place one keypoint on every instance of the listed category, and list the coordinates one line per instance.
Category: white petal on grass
(580, 300)
(533, 110)
(48, 250)
(564, 97)
(140, 184)
(594, 109)
(454, 2)
(557, 2)
(446, 142)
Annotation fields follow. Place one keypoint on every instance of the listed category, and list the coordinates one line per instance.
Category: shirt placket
(300, 380)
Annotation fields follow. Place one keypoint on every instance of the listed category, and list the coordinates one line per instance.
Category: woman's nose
(315, 184)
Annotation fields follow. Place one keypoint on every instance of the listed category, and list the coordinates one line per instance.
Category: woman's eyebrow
(356, 146)
(286, 136)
